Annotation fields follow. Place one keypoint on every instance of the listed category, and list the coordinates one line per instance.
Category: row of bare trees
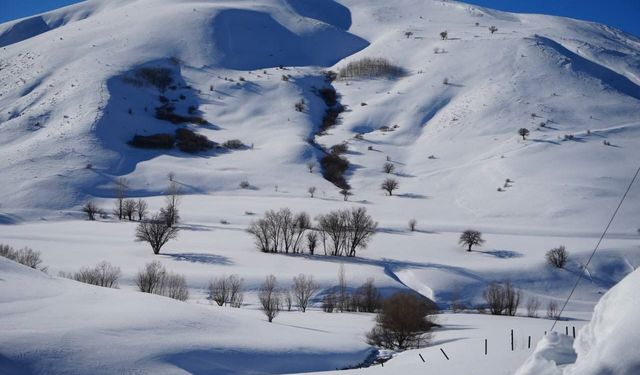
(340, 232)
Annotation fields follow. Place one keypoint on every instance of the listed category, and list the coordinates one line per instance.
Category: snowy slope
(70, 102)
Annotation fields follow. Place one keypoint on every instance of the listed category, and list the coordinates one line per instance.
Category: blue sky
(622, 14)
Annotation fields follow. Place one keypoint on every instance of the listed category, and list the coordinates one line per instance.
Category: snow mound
(552, 351)
(609, 343)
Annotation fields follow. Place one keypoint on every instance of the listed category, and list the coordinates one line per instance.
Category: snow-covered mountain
(79, 83)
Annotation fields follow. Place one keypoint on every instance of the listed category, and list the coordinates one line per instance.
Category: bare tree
(104, 275)
(260, 231)
(129, 209)
(345, 194)
(329, 302)
(141, 209)
(403, 322)
(360, 229)
(495, 297)
(552, 311)
(151, 278)
(91, 209)
(219, 290)
(269, 297)
(523, 132)
(301, 222)
(367, 297)
(389, 185)
(444, 35)
(558, 257)
(288, 299)
(471, 238)
(175, 286)
(170, 212)
(25, 256)
(120, 190)
(156, 232)
(236, 293)
(343, 295)
(311, 191)
(303, 289)
(388, 167)
(310, 166)
(512, 299)
(412, 224)
(533, 304)
(312, 241)
(493, 29)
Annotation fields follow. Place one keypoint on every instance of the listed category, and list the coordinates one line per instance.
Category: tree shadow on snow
(201, 258)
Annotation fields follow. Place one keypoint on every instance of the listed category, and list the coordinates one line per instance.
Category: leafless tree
(141, 209)
(403, 322)
(523, 132)
(170, 211)
(303, 289)
(219, 290)
(312, 241)
(129, 209)
(389, 185)
(412, 224)
(120, 190)
(91, 209)
(345, 194)
(301, 222)
(360, 229)
(312, 191)
(512, 299)
(269, 297)
(260, 230)
(104, 275)
(558, 257)
(494, 295)
(288, 299)
(552, 310)
(151, 278)
(367, 297)
(25, 256)
(175, 286)
(493, 29)
(471, 238)
(236, 293)
(444, 35)
(533, 304)
(156, 232)
(329, 302)
(388, 167)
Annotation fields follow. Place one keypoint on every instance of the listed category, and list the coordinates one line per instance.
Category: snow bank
(552, 351)
(609, 343)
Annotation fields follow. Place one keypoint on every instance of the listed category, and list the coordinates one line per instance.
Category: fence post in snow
(445, 354)
(574, 332)
(566, 330)
(485, 346)
(529, 344)
(511, 340)
(421, 357)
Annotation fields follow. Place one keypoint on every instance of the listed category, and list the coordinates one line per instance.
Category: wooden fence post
(445, 354)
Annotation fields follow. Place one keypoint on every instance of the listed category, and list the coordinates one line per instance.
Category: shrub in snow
(91, 209)
(493, 29)
(557, 257)
(403, 322)
(227, 290)
(523, 132)
(233, 144)
(158, 77)
(155, 279)
(471, 238)
(366, 298)
(280, 231)
(444, 35)
(270, 297)
(154, 141)
(388, 168)
(302, 289)
(553, 312)
(188, 141)
(502, 299)
(244, 184)
(371, 68)
(156, 232)
(412, 224)
(299, 106)
(104, 275)
(333, 169)
(24, 256)
(344, 231)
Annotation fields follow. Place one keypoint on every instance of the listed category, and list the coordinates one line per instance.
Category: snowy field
(69, 104)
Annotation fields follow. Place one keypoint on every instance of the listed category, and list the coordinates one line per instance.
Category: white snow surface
(68, 108)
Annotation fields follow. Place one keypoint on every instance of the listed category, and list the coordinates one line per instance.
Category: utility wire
(595, 249)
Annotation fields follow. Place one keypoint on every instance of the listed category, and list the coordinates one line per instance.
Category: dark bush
(233, 144)
(188, 141)
(330, 117)
(333, 169)
(371, 68)
(161, 140)
(339, 149)
(329, 95)
(158, 77)
(166, 112)
(557, 257)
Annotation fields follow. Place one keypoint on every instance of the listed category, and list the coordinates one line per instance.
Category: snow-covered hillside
(75, 89)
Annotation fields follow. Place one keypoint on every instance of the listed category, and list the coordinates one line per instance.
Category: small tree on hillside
(269, 297)
(412, 224)
(402, 323)
(141, 209)
(389, 185)
(345, 194)
(558, 257)
(120, 190)
(471, 238)
(523, 132)
(156, 232)
(303, 288)
(129, 209)
(311, 191)
(388, 168)
(444, 35)
(312, 241)
(91, 209)
(493, 29)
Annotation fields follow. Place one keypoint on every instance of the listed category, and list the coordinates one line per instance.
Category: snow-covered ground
(68, 108)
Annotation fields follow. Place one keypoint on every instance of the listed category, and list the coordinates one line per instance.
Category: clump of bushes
(371, 68)
(502, 299)
(24, 256)
(158, 77)
(333, 169)
(330, 117)
(166, 112)
(329, 95)
(104, 275)
(154, 141)
(557, 257)
(154, 278)
(233, 144)
(191, 142)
